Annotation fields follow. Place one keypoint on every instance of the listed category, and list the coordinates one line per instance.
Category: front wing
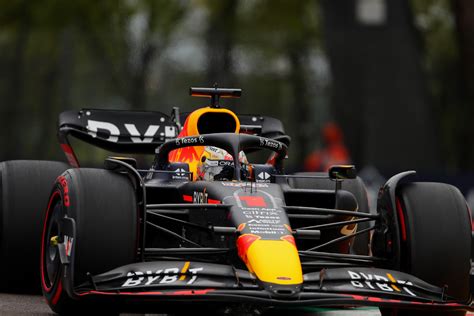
(184, 281)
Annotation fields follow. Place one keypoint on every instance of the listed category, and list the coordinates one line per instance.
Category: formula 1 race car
(204, 228)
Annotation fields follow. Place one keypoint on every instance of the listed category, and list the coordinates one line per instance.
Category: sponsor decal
(264, 220)
(189, 140)
(163, 276)
(179, 173)
(264, 215)
(147, 137)
(94, 127)
(263, 177)
(113, 130)
(224, 163)
(264, 142)
(68, 242)
(261, 227)
(63, 182)
(379, 282)
(244, 184)
(214, 149)
(200, 197)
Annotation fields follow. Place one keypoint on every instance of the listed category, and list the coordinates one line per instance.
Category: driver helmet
(217, 164)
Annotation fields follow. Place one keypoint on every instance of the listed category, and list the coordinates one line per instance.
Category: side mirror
(341, 172)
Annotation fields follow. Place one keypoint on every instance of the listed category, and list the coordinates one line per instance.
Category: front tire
(103, 206)
(435, 239)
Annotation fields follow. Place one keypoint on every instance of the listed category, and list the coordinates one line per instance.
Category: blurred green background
(396, 75)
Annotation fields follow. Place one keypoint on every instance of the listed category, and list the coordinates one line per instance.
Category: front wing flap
(172, 281)
(146, 276)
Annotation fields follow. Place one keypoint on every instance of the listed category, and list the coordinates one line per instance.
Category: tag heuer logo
(180, 172)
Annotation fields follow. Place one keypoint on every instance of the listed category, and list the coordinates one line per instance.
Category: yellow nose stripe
(275, 261)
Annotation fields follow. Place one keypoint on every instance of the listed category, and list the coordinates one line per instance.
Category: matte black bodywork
(187, 251)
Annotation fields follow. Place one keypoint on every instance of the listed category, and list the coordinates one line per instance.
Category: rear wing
(138, 132)
(141, 132)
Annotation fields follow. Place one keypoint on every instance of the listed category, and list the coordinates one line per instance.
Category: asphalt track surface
(13, 304)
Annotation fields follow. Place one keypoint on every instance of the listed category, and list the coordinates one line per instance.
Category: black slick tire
(435, 238)
(103, 206)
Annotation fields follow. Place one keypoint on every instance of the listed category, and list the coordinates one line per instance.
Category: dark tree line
(401, 93)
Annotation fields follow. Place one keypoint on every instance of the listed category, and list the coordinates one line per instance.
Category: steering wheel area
(230, 142)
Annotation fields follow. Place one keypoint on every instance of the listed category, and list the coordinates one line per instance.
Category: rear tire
(360, 245)
(437, 247)
(103, 206)
(24, 190)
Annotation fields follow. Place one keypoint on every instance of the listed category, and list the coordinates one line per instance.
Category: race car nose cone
(273, 261)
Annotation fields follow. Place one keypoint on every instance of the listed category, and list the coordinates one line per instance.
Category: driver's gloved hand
(244, 173)
(226, 174)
